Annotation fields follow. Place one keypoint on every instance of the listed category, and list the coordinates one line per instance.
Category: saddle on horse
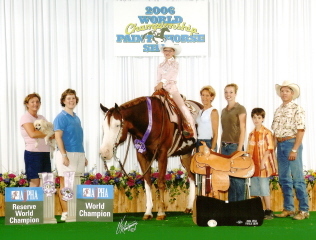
(220, 167)
(173, 109)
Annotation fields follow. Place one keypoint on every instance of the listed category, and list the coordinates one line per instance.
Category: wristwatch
(293, 150)
(64, 155)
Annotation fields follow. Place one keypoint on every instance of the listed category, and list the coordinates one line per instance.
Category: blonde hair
(210, 89)
(30, 96)
(233, 85)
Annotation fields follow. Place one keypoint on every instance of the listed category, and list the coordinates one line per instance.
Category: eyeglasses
(169, 51)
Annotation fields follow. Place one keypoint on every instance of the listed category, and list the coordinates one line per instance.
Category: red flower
(179, 172)
(130, 182)
(98, 176)
(88, 182)
(168, 176)
(22, 182)
(118, 174)
(155, 174)
(57, 180)
(11, 175)
(1, 179)
(106, 179)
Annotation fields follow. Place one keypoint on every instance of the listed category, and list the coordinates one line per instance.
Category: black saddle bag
(241, 213)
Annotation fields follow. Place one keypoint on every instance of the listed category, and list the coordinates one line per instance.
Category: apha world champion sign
(140, 27)
(94, 203)
(24, 205)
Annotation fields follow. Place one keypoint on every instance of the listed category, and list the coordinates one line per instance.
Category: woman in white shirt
(208, 119)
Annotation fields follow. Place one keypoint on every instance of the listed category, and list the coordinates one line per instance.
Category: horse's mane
(133, 102)
(125, 106)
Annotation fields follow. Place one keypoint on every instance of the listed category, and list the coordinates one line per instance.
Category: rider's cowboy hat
(170, 44)
(295, 88)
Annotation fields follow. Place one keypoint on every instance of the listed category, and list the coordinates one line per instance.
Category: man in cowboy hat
(289, 127)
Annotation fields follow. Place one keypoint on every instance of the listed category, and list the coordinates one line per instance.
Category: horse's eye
(117, 125)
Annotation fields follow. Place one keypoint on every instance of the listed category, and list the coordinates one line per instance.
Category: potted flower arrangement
(309, 176)
(176, 181)
(115, 177)
(12, 180)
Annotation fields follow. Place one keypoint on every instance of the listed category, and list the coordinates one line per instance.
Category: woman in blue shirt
(69, 139)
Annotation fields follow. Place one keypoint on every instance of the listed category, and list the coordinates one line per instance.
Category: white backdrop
(47, 46)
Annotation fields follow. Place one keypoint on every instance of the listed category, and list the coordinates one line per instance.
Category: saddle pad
(241, 213)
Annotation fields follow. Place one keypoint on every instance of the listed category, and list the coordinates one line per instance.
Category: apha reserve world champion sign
(140, 27)
(94, 203)
(24, 205)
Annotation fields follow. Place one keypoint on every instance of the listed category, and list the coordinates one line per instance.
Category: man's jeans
(236, 191)
(291, 175)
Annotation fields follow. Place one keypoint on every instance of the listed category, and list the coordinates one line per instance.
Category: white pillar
(72, 204)
(48, 206)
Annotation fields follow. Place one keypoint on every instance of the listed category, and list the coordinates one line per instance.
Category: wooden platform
(137, 204)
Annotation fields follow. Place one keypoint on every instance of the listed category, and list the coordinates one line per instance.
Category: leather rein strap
(141, 143)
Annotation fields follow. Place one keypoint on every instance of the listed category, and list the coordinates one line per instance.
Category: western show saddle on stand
(216, 168)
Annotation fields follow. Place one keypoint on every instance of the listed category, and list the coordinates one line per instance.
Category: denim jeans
(207, 141)
(236, 191)
(291, 176)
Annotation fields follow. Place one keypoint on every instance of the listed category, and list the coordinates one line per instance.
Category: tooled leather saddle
(220, 167)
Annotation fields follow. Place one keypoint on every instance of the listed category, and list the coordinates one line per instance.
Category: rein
(152, 160)
(141, 142)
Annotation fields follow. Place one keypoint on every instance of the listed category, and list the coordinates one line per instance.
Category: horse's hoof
(161, 217)
(147, 217)
(187, 210)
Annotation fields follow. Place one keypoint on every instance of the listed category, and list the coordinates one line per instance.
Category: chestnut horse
(164, 140)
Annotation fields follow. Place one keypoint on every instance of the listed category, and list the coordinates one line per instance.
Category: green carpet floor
(178, 226)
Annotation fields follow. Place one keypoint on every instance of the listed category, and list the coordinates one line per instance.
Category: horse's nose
(104, 153)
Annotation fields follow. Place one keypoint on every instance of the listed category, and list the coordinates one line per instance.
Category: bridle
(129, 140)
(117, 142)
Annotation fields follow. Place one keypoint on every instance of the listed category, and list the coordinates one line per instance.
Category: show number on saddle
(205, 162)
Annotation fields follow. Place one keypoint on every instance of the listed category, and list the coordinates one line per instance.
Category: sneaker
(301, 215)
(268, 214)
(284, 214)
(64, 216)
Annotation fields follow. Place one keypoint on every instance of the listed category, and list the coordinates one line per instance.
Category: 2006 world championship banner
(95, 203)
(24, 205)
(141, 26)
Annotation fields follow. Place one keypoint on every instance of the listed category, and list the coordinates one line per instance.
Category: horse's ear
(117, 107)
(104, 109)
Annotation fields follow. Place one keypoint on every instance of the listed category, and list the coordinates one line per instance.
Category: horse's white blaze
(191, 194)
(111, 134)
(149, 200)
